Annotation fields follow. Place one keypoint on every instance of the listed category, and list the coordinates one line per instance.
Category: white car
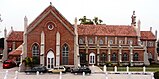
(57, 69)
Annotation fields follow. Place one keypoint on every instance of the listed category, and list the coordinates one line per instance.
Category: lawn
(137, 69)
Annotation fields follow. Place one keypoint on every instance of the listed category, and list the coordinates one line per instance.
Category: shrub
(28, 61)
(156, 75)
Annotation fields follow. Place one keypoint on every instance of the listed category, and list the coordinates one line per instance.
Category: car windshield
(6, 62)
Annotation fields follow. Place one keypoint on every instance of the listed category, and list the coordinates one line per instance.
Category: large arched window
(35, 50)
(103, 57)
(65, 52)
(113, 57)
(35, 54)
(125, 57)
(135, 57)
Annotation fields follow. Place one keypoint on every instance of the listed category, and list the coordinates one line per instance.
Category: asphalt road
(22, 75)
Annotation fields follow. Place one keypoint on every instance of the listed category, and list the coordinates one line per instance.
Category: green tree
(85, 20)
(97, 21)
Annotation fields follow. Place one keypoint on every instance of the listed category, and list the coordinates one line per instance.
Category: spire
(139, 24)
(133, 19)
(25, 23)
(5, 32)
(156, 34)
(11, 28)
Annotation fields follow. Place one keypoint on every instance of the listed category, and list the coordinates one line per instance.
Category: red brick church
(53, 41)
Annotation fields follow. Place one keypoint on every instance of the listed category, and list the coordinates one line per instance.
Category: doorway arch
(50, 59)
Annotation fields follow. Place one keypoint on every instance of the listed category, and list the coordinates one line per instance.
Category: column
(86, 42)
(120, 54)
(126, 40)
(57, 49)
(116, 40)
(109, 54)
(13, 46)
(42, 49)
(98, 54)
(131, 55)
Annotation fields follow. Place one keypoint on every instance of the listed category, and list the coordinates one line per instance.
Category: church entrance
(50, 59)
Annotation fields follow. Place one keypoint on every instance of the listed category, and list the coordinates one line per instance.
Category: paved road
(22, 75)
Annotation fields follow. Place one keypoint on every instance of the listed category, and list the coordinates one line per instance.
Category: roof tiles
(15, 36)
(147, 35)
(107, 30)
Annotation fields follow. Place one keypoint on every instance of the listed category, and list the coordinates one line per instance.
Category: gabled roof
(15, 36)
(147, 35)
(54, 11)
(107, 30)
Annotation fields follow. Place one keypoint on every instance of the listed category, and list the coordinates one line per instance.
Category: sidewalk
(95, 69)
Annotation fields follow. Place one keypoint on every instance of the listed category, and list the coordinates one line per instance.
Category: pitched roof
(15, 36)
(107, 30)
(147, 35)
(18, 51)
(53, 9)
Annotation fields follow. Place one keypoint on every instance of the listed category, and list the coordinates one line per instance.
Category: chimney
(151, 29)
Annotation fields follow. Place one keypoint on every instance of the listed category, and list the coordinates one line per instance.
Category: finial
(133, 12)
(50, 3)
(12, 28)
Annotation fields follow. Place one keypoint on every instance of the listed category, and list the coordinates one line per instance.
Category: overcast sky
(112, 12)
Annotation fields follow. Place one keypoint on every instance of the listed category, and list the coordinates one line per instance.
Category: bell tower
(133, 17)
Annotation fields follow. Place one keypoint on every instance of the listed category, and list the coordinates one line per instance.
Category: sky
(112, 12)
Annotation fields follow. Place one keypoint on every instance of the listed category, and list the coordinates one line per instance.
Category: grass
(132, 69)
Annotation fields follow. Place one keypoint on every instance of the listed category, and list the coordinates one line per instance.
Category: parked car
(8, 64)
(81, 70)
(41, 69)
(57, 69)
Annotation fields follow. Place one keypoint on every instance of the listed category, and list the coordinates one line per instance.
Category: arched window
(113, 57)
(100, 41)
(35, 50)
(80, 41)
(65, 52)
(103, 57)
(125, 57)
(35, 54)
(110, 41)
(90, 41)
(135, 57)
